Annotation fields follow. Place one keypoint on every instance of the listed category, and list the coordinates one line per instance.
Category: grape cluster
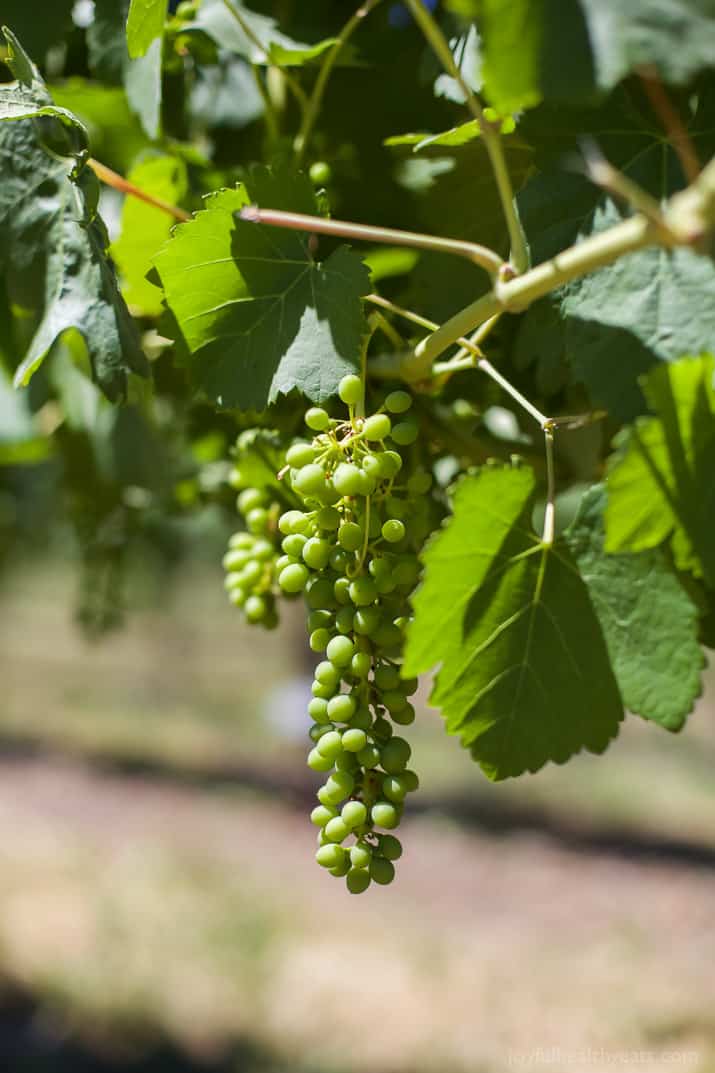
(351, 554)
(250, 562)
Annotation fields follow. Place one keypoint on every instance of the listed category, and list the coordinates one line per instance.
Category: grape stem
(296, 221)
(490, 133)
(118, 182)
(547, 537)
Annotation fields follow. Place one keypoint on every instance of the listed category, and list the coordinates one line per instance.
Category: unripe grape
(293, 544)
(381, 729)
(340, 560)
(406, 572)
(350, 536)
(263, 549)
(394, 789)
(293, 521)
(381, 870)
(317, 762)
(360, 855)
(318, 710)
(390, 847)
(394, 700)
(405, 716)
(339, 785)
(317, 419)
(341, 590)
(319, 593)
(394, 755)
(410, 780)
(319, 620)
(346, 762)
(257, 520)
(318, 729)
(321, 691)
(300, 454)
(344, 620)
(341, 709)
(384, 814)
(316, 553)
(310, 480)
(358, 880)
(372, 465)
(391, 462)
(369, 757)
(354, 740)
(361, 662)
(237, 596)
(285, 560)
(342, 868)
(396, 507)
(249, 499)
(255, 608)
(419, 483)
(397, 402)
(330, 855)
(293, 578)
(320, 173)
(366, 620)
(327, 674)
(340, 651)
(377, 427)
(337, 830)
(347, 479)
(362, 720)
(353, 814)
(393, 530)
(319, 639)
(409, 686)
(405, 432)
(236, 559)
(328, 518)
(322, 814)
(387, 676)
(363, 591)
(350, 389)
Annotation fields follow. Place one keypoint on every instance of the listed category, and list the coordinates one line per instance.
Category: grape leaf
(259, 456)
(145, 23)
(648, 307)
(56, 246)
(660, 480)
(258, 314)
(261, 42)
(524, 675)
(143, 85)
(649, 622)
(144, 229)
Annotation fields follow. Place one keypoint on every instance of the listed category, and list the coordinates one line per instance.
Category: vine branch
(118, 182)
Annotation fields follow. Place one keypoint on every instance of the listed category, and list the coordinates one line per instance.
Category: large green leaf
(525, 676)
(53, 249)
(145, 229)
(145, 23)
(258, 314)
(648, 307)
(260, 41)
(649, 622)
(660, 480)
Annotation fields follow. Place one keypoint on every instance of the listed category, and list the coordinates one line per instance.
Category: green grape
(347, 479)
(369, 757)
(319, 593)
(350, 389)
(397, 402)
(294, 544)
(321, 691)
(358, 880)
(316, 553)
(410, 686)
(396, 507)
(362, 720)
(366, 620)
(361, 662)
(318, 620)
(372, 465)
(360, 855)
(328, 518)
(363, 591)
(300, 454)
(318, 709)
(350, 536)
(393, 530)
(404, 433)
(293, 578)
(346, 762)
(319, 639)
(419, 483)
(237, 596)
(330, 744)
(249, 499)
(354, 740)
(341, 708)
(318, 762)
(387, 677)
(255, 608)
(322, 814)
(339, 560)
(341, 590)
(344, 620)
(353, 814)
(377, 427)
(391, 463)
(320, 175)
(394, 755)
(394, 700)
(390, 847)
(405, 716)
(310, 480)
(317, 419)
(327, 673)
(410, 781)
(337, 830)
(406, 573)
(394, 789)
(381, 729)
(330, 855)
(381, 870)
(341, 783)
(384, 814)
(340, 651)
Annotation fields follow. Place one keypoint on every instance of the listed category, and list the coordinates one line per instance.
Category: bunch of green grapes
(250, 562)
(352, 552)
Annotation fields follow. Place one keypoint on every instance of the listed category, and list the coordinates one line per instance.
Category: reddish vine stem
(118, 182)
(674, 127)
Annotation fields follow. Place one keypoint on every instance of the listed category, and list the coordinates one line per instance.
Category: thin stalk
(547, 536)
(315, 101)
(673, 124)
(387, 329)
(272, 125)
(297, 221)
(118, 182)
(291, 82)
(492, 142)
(478, 337)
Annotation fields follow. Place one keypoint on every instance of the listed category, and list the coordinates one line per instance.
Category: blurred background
(161, 910)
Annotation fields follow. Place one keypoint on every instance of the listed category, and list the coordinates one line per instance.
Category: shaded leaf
(649, 622)
(660, 480)
(524, 675)
(261, 42)
(258, 314)
(145, 23)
